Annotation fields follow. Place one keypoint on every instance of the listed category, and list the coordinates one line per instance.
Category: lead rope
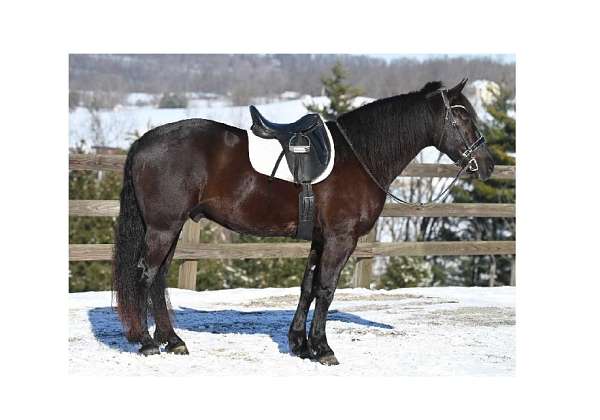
(444, 193)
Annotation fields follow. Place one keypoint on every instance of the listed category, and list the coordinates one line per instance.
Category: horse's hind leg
(297, 341)
(164, 332)
(159, 244)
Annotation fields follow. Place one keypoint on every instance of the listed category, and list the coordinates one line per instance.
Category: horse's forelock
(431, 87)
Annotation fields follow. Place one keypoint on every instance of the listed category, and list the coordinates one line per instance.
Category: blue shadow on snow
(273, 323)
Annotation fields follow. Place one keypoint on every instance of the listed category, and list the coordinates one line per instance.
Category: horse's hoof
(302, 351)
(149, 350)
(179, 348)
(329, 360)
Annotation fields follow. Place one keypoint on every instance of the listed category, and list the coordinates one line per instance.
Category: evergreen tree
(405, 272)
(340, 94)
(173, 100)
(91, 185)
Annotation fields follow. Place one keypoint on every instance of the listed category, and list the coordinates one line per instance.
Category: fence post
(188, 269)
(364, 266)
(493, 271)
(512, 270)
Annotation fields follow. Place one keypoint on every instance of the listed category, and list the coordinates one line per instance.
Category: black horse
(201, 168)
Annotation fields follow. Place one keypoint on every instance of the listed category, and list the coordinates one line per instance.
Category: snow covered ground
(418, 331)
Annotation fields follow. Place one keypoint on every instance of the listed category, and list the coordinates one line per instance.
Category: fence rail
(103, 252)
(190, 250)
(110, 208)
(92, 162)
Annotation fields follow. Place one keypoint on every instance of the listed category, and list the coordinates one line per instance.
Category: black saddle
(305, 143)
(307, 151)
(269, 130)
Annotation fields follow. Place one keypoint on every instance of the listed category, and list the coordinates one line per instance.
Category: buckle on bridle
(472, 165)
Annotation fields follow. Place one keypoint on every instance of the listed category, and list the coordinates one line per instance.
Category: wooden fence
(190, 249)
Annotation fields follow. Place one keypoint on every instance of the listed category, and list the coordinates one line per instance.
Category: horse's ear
(455, 91)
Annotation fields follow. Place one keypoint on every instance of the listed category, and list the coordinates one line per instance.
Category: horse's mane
(388, 132)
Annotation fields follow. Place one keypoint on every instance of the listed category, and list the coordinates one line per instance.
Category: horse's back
(194, 129)
(190, 144)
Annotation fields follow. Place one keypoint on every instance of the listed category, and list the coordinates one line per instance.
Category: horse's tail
(129, 239)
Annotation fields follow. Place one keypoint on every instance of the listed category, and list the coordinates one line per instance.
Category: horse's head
(458, 135)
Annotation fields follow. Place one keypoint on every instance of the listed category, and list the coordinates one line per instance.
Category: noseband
(467, 160)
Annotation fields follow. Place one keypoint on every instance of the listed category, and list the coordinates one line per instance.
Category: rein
(466, 160)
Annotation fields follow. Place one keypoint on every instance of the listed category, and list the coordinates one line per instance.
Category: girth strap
(306, 204)
(306, 212)
(281, 155)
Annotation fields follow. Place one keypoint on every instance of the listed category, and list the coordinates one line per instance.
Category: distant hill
(242, 76)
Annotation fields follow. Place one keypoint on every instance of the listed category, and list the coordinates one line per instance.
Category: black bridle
(467, 161)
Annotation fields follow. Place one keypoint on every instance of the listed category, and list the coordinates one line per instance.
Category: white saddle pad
(263, 154)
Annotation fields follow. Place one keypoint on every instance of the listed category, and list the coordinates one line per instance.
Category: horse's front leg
(336, 252)
(297, 341)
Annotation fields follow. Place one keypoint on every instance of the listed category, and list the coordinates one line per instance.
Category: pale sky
(503, 58)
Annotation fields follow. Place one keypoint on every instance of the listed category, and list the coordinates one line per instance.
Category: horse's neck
(406, 159)
(388, 141)
(384, 166)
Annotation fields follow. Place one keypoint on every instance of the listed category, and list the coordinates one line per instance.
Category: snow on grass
(415, 331)
(114, 127)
